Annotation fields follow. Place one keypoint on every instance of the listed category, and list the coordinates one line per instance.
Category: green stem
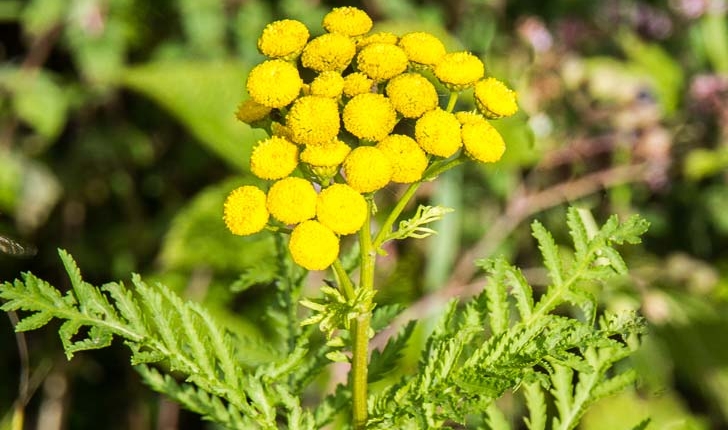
(452, 100)
(344, 279)
(360, 329)
(396, 212)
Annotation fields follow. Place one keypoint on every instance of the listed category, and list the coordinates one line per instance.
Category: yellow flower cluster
(349, 112)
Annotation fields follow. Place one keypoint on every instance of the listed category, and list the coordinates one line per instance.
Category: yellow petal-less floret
(379, 37)
(369, 116)
(348, 21)
(494, 99)
(328, 52)
(283, 39)
(381, 61)
(367, 169)
(252, 112)
(422, 48)
(244, 212)
(273, 158)
(313, 246)
(327, 84)
(274, 83)
(412, 94)
(465, 117)
(438, 133)
(292, 200)
(341, 208)
(408, 160)
(459, 70)
(329, 154)
(313, 120)
(482, 142)
(357, 83)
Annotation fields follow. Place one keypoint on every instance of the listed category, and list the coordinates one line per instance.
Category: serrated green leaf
(536, 403)
(383, 315)
(32, 322)
(578, 232)
(385, 361)
(549, 251)
(498, 305)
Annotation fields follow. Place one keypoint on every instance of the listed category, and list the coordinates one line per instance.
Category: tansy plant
(348, 113)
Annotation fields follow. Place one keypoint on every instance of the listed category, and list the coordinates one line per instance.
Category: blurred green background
(118, 143)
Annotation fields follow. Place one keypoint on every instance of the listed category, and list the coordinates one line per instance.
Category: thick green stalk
(360, 329)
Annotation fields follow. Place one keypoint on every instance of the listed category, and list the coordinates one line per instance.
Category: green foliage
(538, 349)
(476, 353)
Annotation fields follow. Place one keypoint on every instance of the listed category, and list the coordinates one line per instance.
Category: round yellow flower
(369, 116)
(329, 154)
(422, 48)
(274, 83)
(494, 99)
(283, 39)
(273, 158)
(482, 142)
(367, 169)
(313, 246)
(348, 21)
(330, 51)
(328, 84)
(459, 70)
(380, 37)
(381, 61)
(469, 117)
(341, 208)
(244, 212)
(252, 112)
(357, 83)
(412, 94)
(313, 120)
(292, 200)
(438, 133)
(408, 160)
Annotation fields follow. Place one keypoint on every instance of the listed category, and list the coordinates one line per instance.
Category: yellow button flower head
(412, 94)
(273, 158)
(357, 83)
(348, 21)
(245, 212)
(369, 116)
(381, 61)
(438, 133)
(330, 51)
(379, 37)
(341, 208)
(328, 84)
(469, 117)
(313, 246)
(494, 99)
(313, 120)
(252, 112)
(408, 159)
(482, 142)
(283, 39)
(329, 154)
(292, 200)
(367, 169)
(422, 48)
(459, 70)
(274, 83)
